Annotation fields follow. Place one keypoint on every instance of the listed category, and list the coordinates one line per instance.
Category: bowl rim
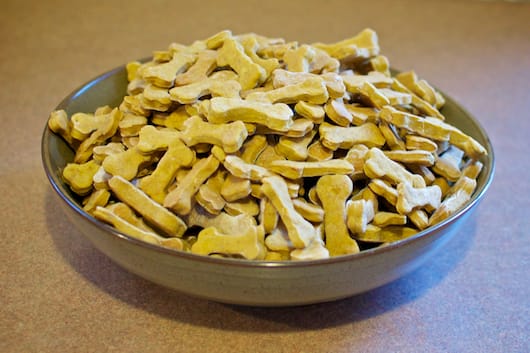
(59, 188)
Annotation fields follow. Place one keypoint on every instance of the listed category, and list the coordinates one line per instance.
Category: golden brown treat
(300, 231)
(333, 191)
(180, 199)
(157, 215)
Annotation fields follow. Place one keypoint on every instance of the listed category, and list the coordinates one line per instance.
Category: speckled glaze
(255, 283)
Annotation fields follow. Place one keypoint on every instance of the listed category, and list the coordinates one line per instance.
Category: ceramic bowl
(255, 283)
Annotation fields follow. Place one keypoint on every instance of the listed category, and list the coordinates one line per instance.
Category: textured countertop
(59, 294)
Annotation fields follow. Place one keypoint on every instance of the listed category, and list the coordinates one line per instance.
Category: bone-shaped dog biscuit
(310, 211)
(314, 251)
(384, 189)
(333, 191)
(163, 75)
(229, 137)
(361, 114)
(239, 168)
(336, 111)
(275, 116)
(221, 83)
(358, 214)
(365, 44)
(253, 147)
(200, 70)
(131, 124)
(435, 129)
(355, 83)
(313, 112)
(300, 231)
(268, 217)
(96, 198)
(223, 222)
(83, 124)
(177, 155)
(251, 45)
(105, 130)
(122, 225)
(58, 122)
(418, 157)
(312, 90)
(247, 205)
(375, 234)
(378, 165)
(159, 216)
(126, 163)
(297, 60)
(414, 142)
(335, 137)
(384, 219)
(209, 194)
(153, 139)
(212, 241)
(333, 82)
(295, 170)
(79, 176)
(235, 188)
(393, 140)
(448, 164)
(180, 199)
(233, 54)
(452, 203)
(295, 149)
(318, 152)
(174, 120)
(410, 197)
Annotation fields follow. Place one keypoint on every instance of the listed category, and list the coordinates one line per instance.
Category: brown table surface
(59, 294)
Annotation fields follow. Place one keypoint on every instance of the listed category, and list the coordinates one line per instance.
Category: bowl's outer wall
(241, 282)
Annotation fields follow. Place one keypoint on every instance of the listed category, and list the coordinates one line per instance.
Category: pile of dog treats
(264, 149)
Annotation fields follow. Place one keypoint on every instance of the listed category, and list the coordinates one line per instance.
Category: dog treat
(410, 197)
(300, 231)
(433, 128)
(229, 137)
(176, 156)
(333, 191)
(384, 219)
(211, 241)
(79, 176)
(274, 116)
(252, 147)
(97, 198)
(126, 163)
(220, 84)
(233, 54)
(159, 216)
(180, 199)
(359, 214)
(312, 90)
(295, 170)
(314, 251)
(335, 137)
(209, 194)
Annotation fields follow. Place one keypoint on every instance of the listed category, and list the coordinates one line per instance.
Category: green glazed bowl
(255, 283)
